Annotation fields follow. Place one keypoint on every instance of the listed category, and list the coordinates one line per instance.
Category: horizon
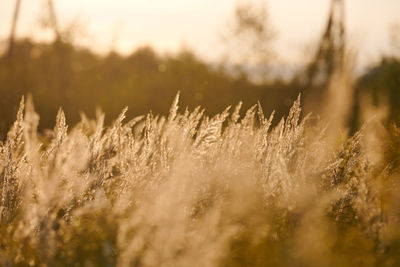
(124, 26)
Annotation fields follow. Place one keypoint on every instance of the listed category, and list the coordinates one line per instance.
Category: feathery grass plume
(12, 159)
(59, 134)
(174, 108)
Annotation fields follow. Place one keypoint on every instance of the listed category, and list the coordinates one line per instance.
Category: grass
(189, 190)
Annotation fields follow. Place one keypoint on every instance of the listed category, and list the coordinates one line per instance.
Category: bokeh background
(83, 55)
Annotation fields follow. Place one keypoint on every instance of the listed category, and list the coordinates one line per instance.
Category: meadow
(235, 189)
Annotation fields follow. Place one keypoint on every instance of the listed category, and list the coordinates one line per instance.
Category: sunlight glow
(168, 25)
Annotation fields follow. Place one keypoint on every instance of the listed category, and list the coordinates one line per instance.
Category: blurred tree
(382, 84)
(395, 38)
(250, 37)
(328, 58)
(48, 19)
(13, 28)
(53, 19)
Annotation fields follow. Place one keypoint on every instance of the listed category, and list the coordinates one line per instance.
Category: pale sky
(168, 25)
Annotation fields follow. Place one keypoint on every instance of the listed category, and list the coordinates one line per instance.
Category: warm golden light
(168, 25)
(199, 133)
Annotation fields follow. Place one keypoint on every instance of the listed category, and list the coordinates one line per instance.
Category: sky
(169, 26)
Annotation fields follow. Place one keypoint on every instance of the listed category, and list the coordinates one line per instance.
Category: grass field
(189, 190)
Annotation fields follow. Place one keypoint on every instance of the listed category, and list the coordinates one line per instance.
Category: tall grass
(190, 190)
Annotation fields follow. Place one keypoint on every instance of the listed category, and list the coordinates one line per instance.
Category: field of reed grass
(236, 189)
